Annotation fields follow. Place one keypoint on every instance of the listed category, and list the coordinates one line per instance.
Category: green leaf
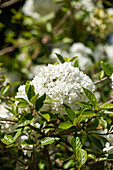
(21, 100)
(73, 59)
(108, 69)
(4, 89)
(95, 141)
(47, 140)
(52, 117)
(81, 156)
(93, 124)
(85, 104)
(14, 108)
(30, 92)
(23, 104)
(40, 102)
(50, 100)
(19, 131)
(46, 116)
(88, 113)
(79, 119)
(76, 64)
(28, 142)
(101, 74)
(26, 119)
(107, 106)
(70, 112)
(91, 156)
(33, 99)
(91, 97)
(65, 125)
(27, 87)
(11, 111)
(110, 157)
(8, 139)
(2, 77)
(61, 59)
(75, 143)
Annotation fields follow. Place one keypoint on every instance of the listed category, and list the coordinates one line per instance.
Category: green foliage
(65, 125)
(71, 113)
(81, 155)
(40, 101)
(91, 97)
(4, 89)
(108, 69)
(61, 59)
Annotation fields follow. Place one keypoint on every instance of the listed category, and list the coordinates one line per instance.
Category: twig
(99, 81)
(48, 157)
(8, 3)
(29, 149)
(68, 13)
(8, 120)
(110, 101)
(13, 47)
(56, 30)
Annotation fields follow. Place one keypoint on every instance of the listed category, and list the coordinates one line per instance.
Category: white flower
(64, 83)
(37, 8)
(108, 148)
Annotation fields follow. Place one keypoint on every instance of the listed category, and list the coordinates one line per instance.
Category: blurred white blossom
(37, 8)
(77, 49)
(83, 53)
(35, 70)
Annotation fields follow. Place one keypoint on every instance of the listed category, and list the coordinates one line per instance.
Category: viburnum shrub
(56, 122)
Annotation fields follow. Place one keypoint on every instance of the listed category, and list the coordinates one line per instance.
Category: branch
(8, 3)
(56, 30)
(101, 80)
(8, 120)
(29, 149)
(68, 13)
(13, 47)
(48, 158)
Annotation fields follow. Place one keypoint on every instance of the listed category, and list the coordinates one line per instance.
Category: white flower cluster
(60, 82)
(87, 5)
(108, 148)
(77, 49)
(109, 136)
(37, 8)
